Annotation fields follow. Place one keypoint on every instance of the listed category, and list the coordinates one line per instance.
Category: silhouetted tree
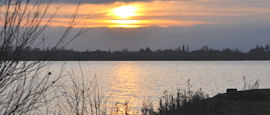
(23, 86)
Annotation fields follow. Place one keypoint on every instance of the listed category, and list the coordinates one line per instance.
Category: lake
(134, 81)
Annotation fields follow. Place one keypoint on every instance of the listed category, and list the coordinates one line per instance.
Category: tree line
(180, 53)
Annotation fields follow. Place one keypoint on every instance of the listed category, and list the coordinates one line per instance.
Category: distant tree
(257, 53)
(267, 48)
(183, 48)
(148, 50)
(142, 50)
(205, 48)
(187, 48)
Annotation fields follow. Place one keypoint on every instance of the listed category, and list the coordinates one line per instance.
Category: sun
(125, 16)
(125, 12)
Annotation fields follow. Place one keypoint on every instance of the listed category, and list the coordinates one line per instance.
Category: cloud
(97, 1)
(242, 36)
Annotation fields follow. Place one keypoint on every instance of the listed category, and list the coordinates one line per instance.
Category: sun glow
(124, 16)
(127, 15)
(125, 12)
(125, 23)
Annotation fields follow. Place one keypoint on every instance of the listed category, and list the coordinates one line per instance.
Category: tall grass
(176, 102)
(246, 86)
(189, 102)
(81, 95)
(84, 96)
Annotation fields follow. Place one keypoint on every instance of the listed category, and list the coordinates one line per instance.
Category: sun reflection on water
(125, 86)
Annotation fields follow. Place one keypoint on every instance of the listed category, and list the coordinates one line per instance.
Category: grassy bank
(247, 102)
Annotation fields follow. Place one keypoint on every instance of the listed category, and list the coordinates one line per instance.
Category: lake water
(134, 81)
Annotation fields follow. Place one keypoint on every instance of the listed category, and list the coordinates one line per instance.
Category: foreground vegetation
(249, 101)
(84, 97)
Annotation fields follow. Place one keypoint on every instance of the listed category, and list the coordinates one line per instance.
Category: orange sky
(157, 13)
(107, 15)
(161, 24)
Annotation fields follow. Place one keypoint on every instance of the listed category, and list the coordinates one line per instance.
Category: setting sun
(125, 12)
